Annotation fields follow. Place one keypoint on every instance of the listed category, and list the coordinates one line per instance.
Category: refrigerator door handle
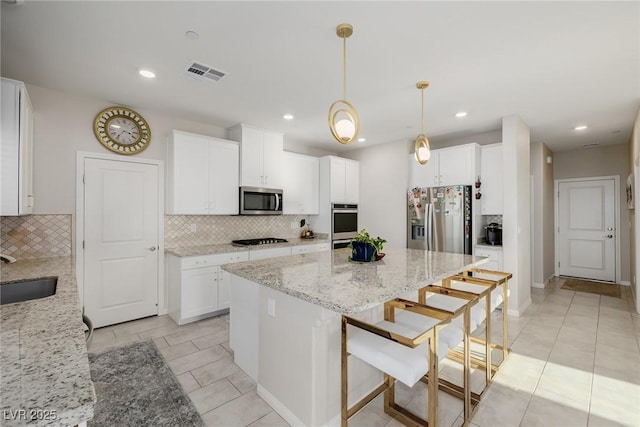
(429, 223)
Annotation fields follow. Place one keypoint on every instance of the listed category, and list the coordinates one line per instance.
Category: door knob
(609, 236)
(152, 248)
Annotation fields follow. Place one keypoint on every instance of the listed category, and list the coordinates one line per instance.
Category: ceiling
(556, 64)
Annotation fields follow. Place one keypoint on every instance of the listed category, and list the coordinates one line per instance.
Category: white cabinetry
(300, 184)
(447, 166)
(16, 150)
(344, 178)
(491, 178)
(493, 253)
(260, 156)
(198, 287)
(306, 249)
(202, 175)
(256, 254)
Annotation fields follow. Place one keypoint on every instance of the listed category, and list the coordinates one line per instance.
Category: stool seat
(404, 363)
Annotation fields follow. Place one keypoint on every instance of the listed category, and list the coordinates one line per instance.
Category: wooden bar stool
(400, 352)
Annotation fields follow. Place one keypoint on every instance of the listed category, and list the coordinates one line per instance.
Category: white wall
(384, 180)
(542, 220)
(64, 125)
(516, 234)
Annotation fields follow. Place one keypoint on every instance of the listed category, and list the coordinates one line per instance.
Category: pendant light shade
(344, 121)
(423, 150)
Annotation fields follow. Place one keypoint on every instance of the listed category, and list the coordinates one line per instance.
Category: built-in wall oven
(344, 224)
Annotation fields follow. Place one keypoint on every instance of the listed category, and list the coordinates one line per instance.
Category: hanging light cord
(422, 111)
(344, 67)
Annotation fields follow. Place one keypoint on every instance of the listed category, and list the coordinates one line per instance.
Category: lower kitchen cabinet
(198, 288)
(493, 253)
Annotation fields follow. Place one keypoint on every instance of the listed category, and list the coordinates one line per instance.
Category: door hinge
(83, 244)
(83, 176)
(558, 264)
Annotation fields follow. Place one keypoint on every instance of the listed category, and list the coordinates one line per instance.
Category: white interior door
(587, 229)
(121, 240)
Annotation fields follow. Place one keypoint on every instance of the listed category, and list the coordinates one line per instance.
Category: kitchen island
(44, 369)
(286, 318)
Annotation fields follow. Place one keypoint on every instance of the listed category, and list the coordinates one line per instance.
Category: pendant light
(344, 121)
(423, 151)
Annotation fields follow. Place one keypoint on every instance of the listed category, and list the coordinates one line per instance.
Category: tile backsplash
(213, 229)
(35, 236)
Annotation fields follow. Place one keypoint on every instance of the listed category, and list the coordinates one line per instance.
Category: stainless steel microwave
(260, 201)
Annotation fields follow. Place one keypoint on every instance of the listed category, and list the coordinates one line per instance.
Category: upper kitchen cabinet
(344, 178)
(16, 149)
(447, 166)
(202, 175)
(260, 156)
(301, 180)
(491, 179)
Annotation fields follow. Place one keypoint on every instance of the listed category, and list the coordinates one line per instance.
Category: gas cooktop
(261, 241)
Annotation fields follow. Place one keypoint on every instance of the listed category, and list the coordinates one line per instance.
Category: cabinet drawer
(492, 254)
(216, 259)
(323, 247)
(269, 253)
(303, 249)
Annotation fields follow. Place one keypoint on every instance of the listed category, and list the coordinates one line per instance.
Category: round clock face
(122, 130)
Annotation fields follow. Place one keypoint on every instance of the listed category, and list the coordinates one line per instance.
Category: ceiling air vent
(204, 72)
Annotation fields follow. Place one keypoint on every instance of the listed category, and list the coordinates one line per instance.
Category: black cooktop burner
(261, 241)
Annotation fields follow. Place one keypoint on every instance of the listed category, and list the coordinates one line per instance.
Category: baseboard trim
(520, 311)
(625, 283)
(538, 285)
(277, 406)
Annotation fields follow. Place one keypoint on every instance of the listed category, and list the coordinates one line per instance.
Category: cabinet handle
(152, 248)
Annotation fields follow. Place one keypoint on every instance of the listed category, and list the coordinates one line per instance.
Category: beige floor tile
(501, 407)
(272, 419)
(211, 339)
(100, 344)
(198, 332)
(213, 321)
(166, 330)
(178, 350)
(187, 382)
(160, 342)
(367, 418)
(195, 360)
(141, 325)
(240, 412)
(567, 386)
(572, 355)
(214, 371)
(213, 395)
(545, 413)
(242, 382)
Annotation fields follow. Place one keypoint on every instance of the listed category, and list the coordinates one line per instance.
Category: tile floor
(575, 362)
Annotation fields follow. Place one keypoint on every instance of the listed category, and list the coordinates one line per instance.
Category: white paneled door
(587, 229)
(121, 240)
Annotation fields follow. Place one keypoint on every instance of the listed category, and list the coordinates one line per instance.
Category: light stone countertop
(330, 280)
(222, 248)
(43, 356)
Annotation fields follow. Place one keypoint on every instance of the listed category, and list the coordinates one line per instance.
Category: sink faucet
(7, 259)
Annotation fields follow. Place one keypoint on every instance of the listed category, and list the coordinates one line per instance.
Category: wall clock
(122, 130)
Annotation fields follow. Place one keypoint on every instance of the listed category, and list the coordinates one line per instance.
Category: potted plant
(306, 232)
(366, 248)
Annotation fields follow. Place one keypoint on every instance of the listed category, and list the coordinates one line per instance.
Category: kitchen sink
(28, 289)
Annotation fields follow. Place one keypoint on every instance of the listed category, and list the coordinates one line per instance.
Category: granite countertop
(223, 248)
(330, 280)
(43, 355)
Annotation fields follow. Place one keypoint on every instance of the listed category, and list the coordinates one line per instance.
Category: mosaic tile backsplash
(214, 229)
(35, 236)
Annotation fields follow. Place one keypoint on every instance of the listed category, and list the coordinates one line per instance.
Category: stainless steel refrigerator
(439, 219)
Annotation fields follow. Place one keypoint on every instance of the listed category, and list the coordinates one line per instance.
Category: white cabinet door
(300, 183)
(338, 179)
(251, 158)
(352, 181)
(223, 177)
(272, 159)
(199, 291)
(456, 166)
(494, 255)
(224, 289)
(16, 150)
(424, 175)
(188, 174)
(491, 179)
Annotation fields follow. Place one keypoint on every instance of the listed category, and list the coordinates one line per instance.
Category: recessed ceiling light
(581, 127)
(147, 73)
(192, 35)
(461, 114)
(288, 117)
(362, 139)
